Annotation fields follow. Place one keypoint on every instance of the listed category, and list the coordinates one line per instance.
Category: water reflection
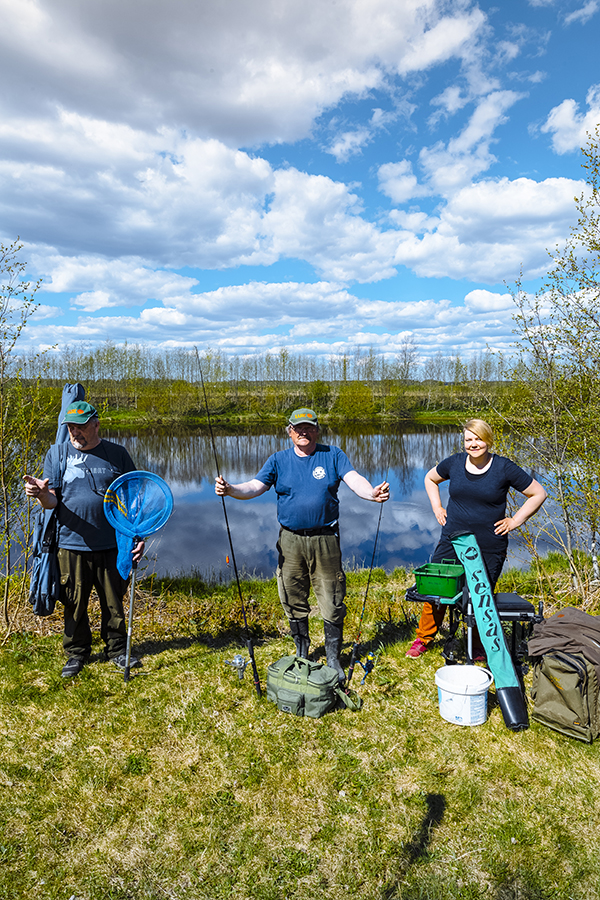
(195, 537)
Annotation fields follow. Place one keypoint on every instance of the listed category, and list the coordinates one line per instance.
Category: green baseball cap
(303, 415)
(79, 413)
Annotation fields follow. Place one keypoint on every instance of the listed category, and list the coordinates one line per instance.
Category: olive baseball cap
(303, 415)
(79, 413)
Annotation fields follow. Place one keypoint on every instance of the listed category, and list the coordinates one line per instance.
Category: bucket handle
(487, 671)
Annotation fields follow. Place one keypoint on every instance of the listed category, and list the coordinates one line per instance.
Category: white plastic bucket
(462, 693)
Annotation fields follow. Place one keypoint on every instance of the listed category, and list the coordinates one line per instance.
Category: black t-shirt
(477, 501)
(83, 525)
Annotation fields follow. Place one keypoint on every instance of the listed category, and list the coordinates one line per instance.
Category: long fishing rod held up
(355, 647)
(235, 568)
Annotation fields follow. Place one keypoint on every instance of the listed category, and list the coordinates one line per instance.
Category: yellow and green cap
(303, 415)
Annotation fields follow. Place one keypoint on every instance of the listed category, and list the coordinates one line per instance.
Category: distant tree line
(138, 362)
(362, 385)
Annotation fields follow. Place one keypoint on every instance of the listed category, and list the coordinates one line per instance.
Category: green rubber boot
(333, 645)
(299, 629)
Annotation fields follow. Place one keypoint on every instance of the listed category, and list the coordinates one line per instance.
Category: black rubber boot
(333, 646)
(299, 629)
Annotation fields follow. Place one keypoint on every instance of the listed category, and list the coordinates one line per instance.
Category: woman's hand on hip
(440, 515)
(505, 526)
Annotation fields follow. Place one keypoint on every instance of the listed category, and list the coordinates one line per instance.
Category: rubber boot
(299, 629)
(333, 646)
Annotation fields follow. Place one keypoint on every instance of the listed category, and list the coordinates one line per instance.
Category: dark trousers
(81, 571)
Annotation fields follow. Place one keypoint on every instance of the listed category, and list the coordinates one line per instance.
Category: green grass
(184, 785)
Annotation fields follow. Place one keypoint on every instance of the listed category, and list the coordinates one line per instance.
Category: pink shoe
(416, 649)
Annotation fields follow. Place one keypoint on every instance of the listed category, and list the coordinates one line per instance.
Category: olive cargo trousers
(306, 560)
(81, 571)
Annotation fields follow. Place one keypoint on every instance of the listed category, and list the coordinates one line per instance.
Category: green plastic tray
(445, 579)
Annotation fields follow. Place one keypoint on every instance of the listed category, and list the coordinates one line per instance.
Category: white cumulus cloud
(488, 230)
(568, 126)
(399, 183)
(228, 69)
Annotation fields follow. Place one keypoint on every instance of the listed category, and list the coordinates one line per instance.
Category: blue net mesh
(138, 503)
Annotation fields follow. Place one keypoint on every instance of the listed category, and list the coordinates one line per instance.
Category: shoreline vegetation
(209, 607)
(174, 604)
(379, 403)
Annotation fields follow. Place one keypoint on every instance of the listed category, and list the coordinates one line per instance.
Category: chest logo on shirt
(74, 470)
(318, 472)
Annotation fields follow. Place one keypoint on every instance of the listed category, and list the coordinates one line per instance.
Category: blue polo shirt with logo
(306, 486)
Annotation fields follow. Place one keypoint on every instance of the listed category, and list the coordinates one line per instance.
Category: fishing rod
(235, 568)
(356, 644)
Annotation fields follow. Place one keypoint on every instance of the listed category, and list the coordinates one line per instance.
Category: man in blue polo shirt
(306, 478)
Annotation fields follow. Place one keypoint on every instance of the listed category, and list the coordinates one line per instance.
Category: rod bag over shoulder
(44, 577)
(305, 688)
(71, 393)
(508, 689)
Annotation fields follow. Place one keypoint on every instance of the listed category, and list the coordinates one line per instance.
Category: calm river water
(195, 538)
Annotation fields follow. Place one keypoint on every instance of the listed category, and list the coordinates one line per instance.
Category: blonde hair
(481, 429)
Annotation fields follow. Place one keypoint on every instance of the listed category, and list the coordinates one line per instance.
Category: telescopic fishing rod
(356, 645)
(235, 569)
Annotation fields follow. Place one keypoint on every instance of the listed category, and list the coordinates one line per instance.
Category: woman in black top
(479, 482)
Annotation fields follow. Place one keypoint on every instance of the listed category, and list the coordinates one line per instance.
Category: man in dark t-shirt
(87, 554)
(306, 478)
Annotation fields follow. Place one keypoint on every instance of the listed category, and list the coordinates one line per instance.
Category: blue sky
(318, 175)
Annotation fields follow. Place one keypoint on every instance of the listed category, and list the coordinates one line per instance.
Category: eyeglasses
(303, 427)
(95, 489)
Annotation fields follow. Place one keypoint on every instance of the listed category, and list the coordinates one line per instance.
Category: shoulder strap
(116, 470)
(59, 462)
(350, 699)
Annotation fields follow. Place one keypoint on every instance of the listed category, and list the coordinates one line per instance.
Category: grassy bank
(184, 785)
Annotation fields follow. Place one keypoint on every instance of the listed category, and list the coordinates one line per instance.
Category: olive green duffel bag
(565, 695)
(304, 688)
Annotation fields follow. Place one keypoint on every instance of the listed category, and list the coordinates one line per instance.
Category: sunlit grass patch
(182, 784)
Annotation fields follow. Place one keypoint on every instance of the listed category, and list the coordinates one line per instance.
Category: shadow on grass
(155, 646)
(388, 633)
(417, 846)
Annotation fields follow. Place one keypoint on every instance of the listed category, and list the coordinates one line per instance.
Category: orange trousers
(430, 621)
